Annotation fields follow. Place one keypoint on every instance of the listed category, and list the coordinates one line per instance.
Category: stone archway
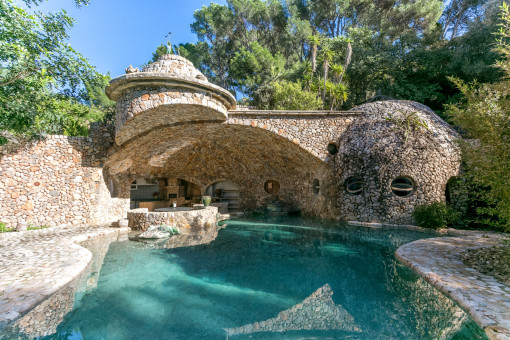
(248, 156)
(225, 192)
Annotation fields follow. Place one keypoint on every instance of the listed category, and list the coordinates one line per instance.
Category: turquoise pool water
(256, 269)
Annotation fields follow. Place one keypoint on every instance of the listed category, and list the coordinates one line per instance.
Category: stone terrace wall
(311, 130)
(58, 180)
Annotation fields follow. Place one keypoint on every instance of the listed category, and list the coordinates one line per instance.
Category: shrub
(3, 228)
(435, 216)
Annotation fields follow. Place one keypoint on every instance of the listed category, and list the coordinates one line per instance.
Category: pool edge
(437, 260)
(22, 309)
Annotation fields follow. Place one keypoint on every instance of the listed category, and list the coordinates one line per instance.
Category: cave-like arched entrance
(247, 156)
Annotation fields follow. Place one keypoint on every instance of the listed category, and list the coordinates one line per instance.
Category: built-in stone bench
(195, 226)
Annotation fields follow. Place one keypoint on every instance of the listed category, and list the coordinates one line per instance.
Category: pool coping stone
(36, 264)
(439, 262)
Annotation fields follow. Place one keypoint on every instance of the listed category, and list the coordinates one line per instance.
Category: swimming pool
(267, 278)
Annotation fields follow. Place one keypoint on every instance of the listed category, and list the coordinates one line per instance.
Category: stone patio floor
(36, 264)
(438, 261)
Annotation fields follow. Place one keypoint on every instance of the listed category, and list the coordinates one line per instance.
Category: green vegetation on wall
(435, 216)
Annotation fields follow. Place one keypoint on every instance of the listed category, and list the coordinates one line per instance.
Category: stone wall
(311, 130)
(73, 180)
(57, 180)
(161, 107)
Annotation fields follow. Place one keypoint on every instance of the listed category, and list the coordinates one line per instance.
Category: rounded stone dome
(382, 155)
(176, 66)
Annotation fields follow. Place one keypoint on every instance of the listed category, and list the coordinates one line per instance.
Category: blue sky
(113, 34)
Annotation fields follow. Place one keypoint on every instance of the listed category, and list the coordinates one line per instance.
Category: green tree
(484, 118)
(291, 96)
(44, 83)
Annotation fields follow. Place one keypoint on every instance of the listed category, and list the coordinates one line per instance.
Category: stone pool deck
(40, 272)
(438, 261)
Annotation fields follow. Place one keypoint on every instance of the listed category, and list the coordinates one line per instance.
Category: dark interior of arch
(205, 153)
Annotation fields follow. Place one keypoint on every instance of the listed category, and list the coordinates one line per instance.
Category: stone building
(184, 137)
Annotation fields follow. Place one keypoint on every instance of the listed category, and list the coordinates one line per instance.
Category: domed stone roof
(175, 66)
(384, 147)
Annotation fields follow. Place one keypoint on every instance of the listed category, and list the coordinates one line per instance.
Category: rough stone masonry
(171, 122)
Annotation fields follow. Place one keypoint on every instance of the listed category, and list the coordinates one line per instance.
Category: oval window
(332, 148)
(272, 187)
(354, 185)
(402, 186)
(316, 186)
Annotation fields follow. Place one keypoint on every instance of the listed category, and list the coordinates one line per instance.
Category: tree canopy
(45, 85)
(345, 52)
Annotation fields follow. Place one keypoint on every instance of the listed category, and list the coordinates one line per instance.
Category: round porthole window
(332, 148)
(402, 186)
(354, 185)
(316, 186)
(272, 187)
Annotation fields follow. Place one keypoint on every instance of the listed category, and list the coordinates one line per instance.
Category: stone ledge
(125, 82)
(25, 234)
(31, 272)
(285, 113)
(438, 261)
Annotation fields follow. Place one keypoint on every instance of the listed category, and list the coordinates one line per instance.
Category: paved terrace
(40, 271)
(438, 261)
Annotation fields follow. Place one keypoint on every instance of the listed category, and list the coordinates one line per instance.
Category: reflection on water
(267, 269)
(317, 312)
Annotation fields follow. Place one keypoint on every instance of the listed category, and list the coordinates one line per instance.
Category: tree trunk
(326, 69)
(314, 58)
(348, 56)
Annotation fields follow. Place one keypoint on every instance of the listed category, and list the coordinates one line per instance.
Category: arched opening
(455, 193)
(316, 186)
(354, 185)
(332, 148)
(451, 190)
(210, 153)
(225, 194)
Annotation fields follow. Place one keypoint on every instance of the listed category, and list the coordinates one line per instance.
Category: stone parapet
(195, 226)
(151, 98)
(188, 222)
(311, 130)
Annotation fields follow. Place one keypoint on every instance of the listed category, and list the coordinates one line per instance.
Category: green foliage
(255, 67)
(37, 228)
(4, 229)
(45, 86)
(484, 118)
(290, 96)
(435, 216)
(401, 49)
